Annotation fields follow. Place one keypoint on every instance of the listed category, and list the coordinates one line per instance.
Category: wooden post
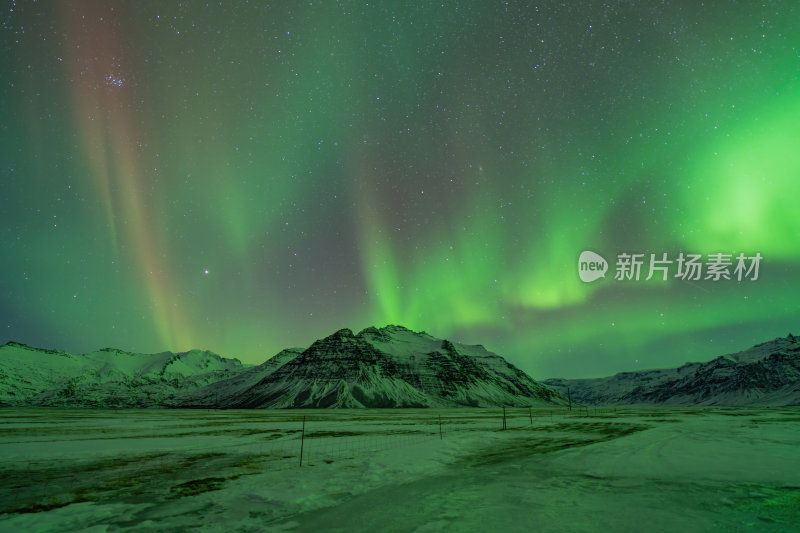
(440, 427)
(569, 397)
(302, 440)
(504, 417)
(530, 414)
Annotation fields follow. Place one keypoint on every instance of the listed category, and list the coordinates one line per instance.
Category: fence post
(504, 417)
(440, 427)
(530, 414)
(302, 440)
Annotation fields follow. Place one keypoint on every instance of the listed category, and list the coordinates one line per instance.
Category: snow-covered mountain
(105, 378)
(223, 393)
(766, 374)
(387, 367)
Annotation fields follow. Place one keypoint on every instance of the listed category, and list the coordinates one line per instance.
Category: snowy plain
(657, 469)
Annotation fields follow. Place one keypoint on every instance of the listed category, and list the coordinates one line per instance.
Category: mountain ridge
(108, 377)
(377, 367)
(390, 367)
(767, 373)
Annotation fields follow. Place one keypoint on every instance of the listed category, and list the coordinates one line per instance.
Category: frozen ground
(390, 470)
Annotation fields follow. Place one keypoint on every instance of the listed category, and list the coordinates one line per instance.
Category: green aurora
(246, 177)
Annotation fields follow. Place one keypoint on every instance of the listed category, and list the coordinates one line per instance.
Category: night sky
(248, 177)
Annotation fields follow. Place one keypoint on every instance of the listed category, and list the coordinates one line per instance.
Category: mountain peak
(197, 351)
(23, 346)
(394, 328)
(113, 350)
(344, 333)
(392, 332)
(16, 344)
(371, 330)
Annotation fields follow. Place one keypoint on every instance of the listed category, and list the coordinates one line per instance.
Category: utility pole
(302, 440)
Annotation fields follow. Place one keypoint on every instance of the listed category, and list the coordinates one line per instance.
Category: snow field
(389, 470)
